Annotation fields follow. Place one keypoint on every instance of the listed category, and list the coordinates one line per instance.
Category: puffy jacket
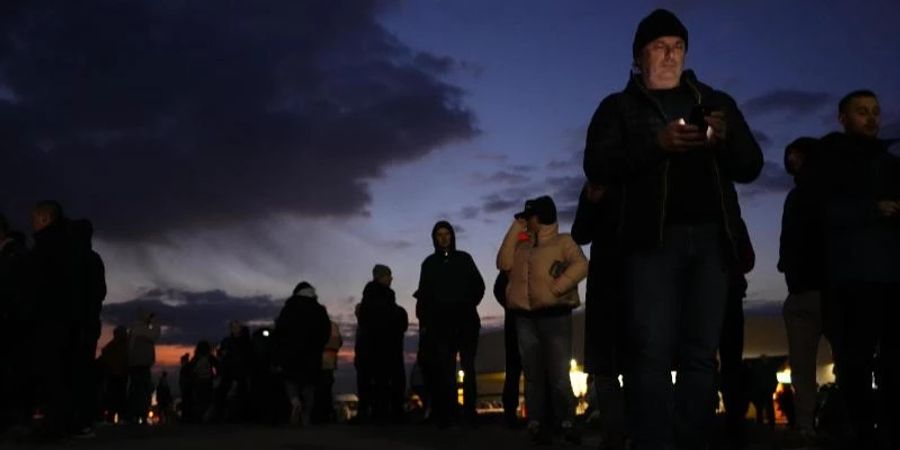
(531, 264)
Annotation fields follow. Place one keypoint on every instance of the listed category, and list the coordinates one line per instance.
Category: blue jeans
(677, 295)
(545, 344)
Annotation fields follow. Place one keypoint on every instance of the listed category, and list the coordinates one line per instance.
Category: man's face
(385, 280)
(443, 238)
(662, 61)
(861, 116)
(40, 220)
(795, 160)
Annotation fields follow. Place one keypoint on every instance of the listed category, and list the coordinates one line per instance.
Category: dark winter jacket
(450, 285)
(382, 324)
(53, 286)
(12, 258)
(622, 151)
(847, 179)
(301, 331)
(604, 313)
(801, 254)
(92, 278)
(236, 355)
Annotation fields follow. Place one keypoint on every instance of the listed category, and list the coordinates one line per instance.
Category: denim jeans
(545, 345)
(803, 321)
(677, 295)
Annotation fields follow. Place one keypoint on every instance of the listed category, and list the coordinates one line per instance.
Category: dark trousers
(677, 296)
(140, 391)
(56, 354)
(115, 397)
(86, 380)
(239, 409)
(731, 355)
(870, 312)
(323, 409)
(513, 372)
(456, 337)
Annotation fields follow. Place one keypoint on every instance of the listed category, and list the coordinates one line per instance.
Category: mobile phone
(698, 117)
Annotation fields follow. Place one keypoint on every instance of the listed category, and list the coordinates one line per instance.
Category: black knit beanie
(656, 25)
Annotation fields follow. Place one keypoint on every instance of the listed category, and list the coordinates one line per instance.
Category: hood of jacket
(439, 225)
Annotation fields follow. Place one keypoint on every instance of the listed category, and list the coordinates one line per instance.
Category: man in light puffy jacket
(544, 270)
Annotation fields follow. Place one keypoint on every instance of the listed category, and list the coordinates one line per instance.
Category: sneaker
(570, 433)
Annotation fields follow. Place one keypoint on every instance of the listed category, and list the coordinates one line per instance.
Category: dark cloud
(160, 115)
(188, 317)
(787, 101)
(564, 190)
(470, 212)
(500, 177)
(496, 203)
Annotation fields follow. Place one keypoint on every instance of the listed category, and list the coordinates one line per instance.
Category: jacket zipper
(665, 178)
(725, 221)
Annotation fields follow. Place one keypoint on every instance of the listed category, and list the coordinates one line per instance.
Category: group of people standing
(670, 251)
(50, 300)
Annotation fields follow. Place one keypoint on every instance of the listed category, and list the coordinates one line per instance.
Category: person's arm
(584, 224)
(476, 281)
(738, 154)
(576, 269)
(507, 253)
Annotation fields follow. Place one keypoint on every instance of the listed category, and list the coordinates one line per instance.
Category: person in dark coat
(675, 147)
(731, 342)
(450, 289)
(596, 219)
(235, 358)
(301, 331)
(802, 260)
(855, 181)
(113, 364)
(92, 283)
(13, 325)
(383, 324)
(55, 290)
(163, 397)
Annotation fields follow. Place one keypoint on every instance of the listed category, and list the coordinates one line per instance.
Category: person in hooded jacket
(235, 355)
(301, 331)
(544, 268)
(450, 289)
(802, 260)
(383, 324)
(91, 283)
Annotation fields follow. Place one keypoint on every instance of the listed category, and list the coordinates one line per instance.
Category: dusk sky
(227, 150)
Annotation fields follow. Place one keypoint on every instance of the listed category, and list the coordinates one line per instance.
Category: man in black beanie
(674, 147)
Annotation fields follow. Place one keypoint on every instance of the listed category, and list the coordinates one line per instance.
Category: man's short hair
(859, 93)
(51, 207)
